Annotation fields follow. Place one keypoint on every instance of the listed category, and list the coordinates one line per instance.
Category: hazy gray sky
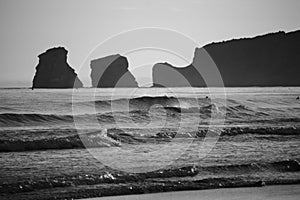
(29, 27)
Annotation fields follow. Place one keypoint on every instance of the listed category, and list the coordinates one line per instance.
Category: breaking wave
(115, 137)
(219, 179)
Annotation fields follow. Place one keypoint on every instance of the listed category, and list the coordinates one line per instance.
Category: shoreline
(272, 192)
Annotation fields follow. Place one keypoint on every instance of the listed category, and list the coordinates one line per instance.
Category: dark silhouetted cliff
(53, 71)
(267, 60)
(112, 71)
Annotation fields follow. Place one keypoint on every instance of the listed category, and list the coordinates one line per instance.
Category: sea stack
(166, 75)
(268, 60)
(53, 71)
(111, 71)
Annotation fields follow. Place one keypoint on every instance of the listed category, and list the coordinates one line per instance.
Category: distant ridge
(267, 60)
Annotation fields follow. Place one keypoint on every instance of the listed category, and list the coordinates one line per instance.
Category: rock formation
(112, 71)
(53, 71)
(267, 60)
(166, 75)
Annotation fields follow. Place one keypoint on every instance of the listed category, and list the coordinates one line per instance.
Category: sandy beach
(277, 192)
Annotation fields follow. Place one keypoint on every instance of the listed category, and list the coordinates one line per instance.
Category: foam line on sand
(277, 192)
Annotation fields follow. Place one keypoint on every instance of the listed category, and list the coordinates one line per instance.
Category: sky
(30, 27)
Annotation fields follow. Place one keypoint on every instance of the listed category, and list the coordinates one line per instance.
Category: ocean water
(64, 144)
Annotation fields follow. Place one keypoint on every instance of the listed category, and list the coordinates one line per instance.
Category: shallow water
(145, 140)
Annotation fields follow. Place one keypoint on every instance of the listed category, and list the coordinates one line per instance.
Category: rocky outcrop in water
(53, 71)
(166, 75)
(111, 71)
(267, 60)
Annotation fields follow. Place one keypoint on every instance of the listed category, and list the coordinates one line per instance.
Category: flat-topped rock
(111, 71)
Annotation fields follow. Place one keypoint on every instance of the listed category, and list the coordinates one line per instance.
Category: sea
(94, 142)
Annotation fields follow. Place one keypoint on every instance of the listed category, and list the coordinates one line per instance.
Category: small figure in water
(297, 98)
(206, 97)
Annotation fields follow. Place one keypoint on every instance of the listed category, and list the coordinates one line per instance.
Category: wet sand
(277, 192)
